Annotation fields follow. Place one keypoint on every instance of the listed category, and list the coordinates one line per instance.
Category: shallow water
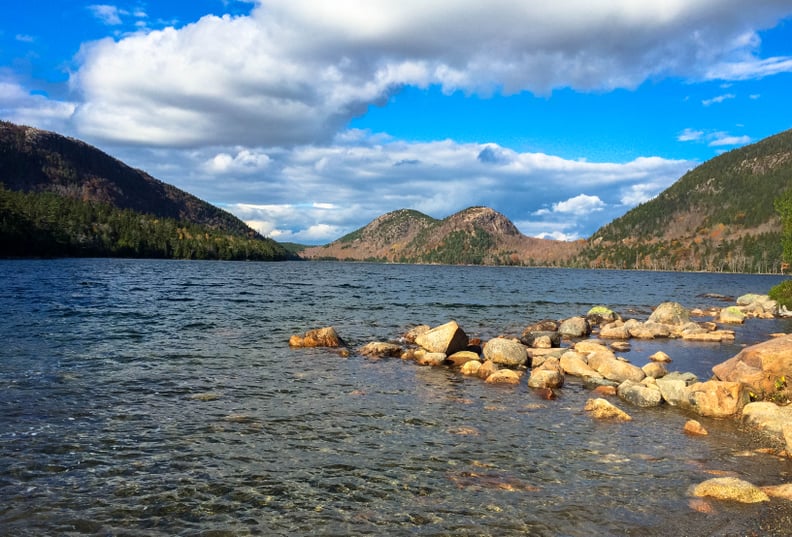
(161, 398)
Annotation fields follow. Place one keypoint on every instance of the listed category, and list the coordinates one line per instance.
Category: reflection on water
(161, 398)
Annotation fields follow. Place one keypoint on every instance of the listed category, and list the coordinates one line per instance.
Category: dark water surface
(161, 398)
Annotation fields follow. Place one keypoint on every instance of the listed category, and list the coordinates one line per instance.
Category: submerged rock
(730, 488)
(319, 337)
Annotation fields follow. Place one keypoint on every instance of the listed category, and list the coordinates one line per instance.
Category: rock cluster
(757, 372)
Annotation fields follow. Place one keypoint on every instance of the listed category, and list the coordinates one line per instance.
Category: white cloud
(721, 139)
(718, 99)
(690, 135)
(20, 106)
(108, 14)
(244, 161)
(295, 71)
(578, 204)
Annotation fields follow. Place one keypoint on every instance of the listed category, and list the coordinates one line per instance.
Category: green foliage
(782, 293)
(783, 206)
(48, 225)
(462, 248)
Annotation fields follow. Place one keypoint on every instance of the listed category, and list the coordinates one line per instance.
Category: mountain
(476, 236)
(717, 217)
(44, 174)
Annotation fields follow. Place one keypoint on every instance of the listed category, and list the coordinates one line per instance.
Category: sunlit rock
(319, 337)
(447, 339)
(730, 488)
(506, 352)
(717, 399)
(670, 313)
(694, 428)
(504, 376)
(764, 367)
(603, 409)
(381, 349)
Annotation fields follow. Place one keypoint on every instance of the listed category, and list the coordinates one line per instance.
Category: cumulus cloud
(21, 106)
(318, 193)
(295, 71)
(108, 14)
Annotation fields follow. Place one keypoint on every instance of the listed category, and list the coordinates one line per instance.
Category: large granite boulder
(447, 338)
(506, 352)
(764, 367)
(541, 339)
(772, 418)
(612, 368)
(670, 313)
(573, 363)
(639, 394)
(731, 315)
(319, 337)
(548, 375)
(574, 327)
(717, 399)
(673, 387)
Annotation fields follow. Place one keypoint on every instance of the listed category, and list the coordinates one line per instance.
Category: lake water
(149, 398)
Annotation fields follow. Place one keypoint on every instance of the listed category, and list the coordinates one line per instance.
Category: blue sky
(310, 118)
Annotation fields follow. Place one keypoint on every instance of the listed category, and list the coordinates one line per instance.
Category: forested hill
(473, 236)
(61, 196)
(718, 216)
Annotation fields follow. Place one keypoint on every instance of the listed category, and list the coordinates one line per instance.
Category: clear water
(161, 398)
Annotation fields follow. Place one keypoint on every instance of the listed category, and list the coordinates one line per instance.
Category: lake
(158, 398)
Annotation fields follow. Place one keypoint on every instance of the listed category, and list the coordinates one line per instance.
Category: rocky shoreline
(750, 387)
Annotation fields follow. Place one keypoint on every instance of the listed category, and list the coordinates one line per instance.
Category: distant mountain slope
(36, 164)
(477, 235)
(718, 216)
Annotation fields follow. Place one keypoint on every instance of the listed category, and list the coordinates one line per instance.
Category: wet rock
(731, 315)
(654, 370)
(615, 330)
(603, 409)
(767, 416)
(470, 368)
(486, 369)
(599, 315)
(607, 365)
(447, 339)
(758, 305)
(716, 336)
(381, 349)
(548, 375)
(717, 399)
(605, 390)
(319, 337)
(763, 367)
(546, 325)
(639, 394)
(433, 359)
(575, 327)
(541, 340)
(506, 352)
(504, 376)
(573, 363)
(670, 313)
(783, 491)
(661, 357)
(413, 333)
(694, 428)
(730, 488)
(620, 346)
(462, 357)
(673, 387)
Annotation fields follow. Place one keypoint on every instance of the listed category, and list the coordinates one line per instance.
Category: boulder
(610, 367)
(767, 416)
(763, 367)
(504, 376)
(574, 327)
(589, 345)
(730, 488)
(447, 338)
(615, 330)
(639, 394)
(670, 313)
(430, 358)
(486, 369)
(661, 357)
(506, 352)
(673, 387)
(717, 399)
(470, 368)
(380, 349)
(758, 304)
(693, 427)
(541, 339)
(603, 409)
(319, 337)
(413, 333)
(545, 378)
(599, 315)
(731, 315)
(573, 363)
(654, 370)
(546, 325)
(620, 346)
(462, 357)
(716, 336)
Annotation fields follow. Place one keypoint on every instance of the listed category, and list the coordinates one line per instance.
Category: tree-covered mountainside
(62, 197)
(719, 216)
(474, 236)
